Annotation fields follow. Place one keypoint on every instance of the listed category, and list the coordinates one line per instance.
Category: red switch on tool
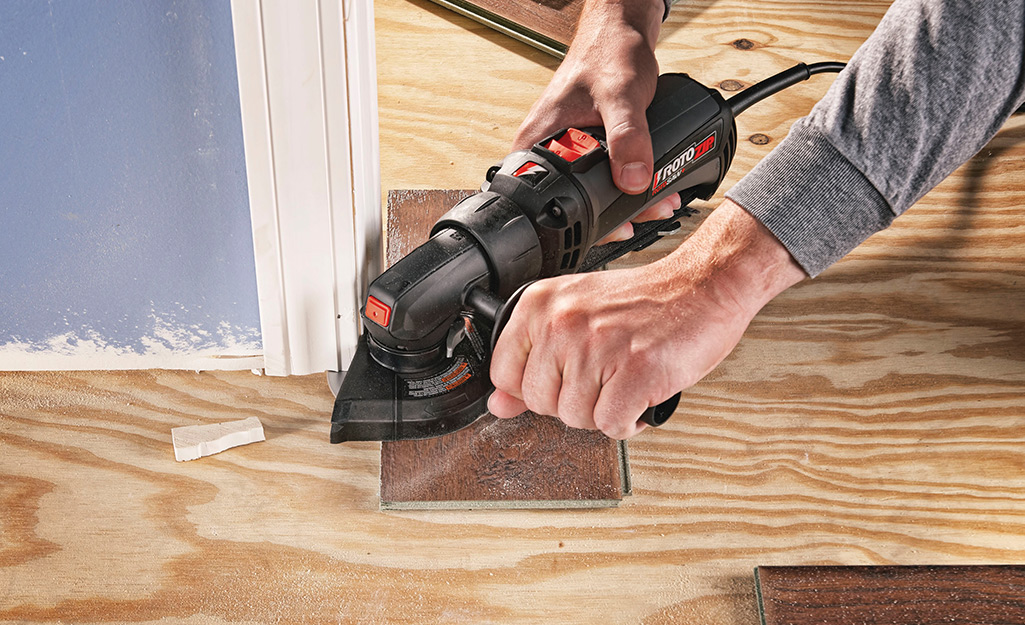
(378, 312)
(572, 144)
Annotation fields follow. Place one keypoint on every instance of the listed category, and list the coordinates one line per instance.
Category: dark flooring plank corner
(892, 595)
(547, 25)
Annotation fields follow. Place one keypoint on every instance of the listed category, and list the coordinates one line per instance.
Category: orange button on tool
(377, 312)
(572, 145)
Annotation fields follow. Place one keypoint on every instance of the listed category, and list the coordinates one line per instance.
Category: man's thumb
(630, 151)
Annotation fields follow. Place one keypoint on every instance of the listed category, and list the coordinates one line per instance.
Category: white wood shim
(195, 441)
(307, 85)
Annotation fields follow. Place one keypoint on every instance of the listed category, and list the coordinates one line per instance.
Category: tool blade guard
(430, 321)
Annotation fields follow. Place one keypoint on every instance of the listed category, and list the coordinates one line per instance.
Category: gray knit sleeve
(922, 95)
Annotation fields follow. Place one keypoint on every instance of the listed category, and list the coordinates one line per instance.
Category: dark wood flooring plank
(892, 595)
(545, 24)
(531, 461)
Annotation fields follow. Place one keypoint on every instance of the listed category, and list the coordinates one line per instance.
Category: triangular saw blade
(375, 403)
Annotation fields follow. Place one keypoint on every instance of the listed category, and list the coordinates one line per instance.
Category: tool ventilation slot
(727, 158)
(570, 260)
(572, 237)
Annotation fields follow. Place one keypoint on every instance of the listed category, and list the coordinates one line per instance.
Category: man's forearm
(929, 88)
(644, 16)
(733, 259)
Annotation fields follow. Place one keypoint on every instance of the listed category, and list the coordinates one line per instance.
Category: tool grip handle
(692, 139)
(659, 414)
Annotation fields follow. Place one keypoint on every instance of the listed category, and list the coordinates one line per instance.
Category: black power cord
(774, 84)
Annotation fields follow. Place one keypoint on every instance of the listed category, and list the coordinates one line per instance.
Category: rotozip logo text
(673, 169)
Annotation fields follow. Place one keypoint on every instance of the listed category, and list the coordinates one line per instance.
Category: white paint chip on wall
(195, 441)
(165, 343)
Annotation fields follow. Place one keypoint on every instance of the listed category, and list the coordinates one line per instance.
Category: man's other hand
(596, 350)
(608, 80)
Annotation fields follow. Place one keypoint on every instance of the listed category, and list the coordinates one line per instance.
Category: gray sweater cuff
(812, 199)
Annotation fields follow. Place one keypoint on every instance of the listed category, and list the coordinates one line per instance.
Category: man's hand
(596, 350)
(608, 79)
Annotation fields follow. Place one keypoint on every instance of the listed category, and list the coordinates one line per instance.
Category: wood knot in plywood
(743, 44)
(759, 139)
(731, 85)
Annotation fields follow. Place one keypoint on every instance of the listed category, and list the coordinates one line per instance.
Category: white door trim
(308, 94)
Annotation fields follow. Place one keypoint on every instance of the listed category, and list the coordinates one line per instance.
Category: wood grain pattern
(891, 595)
(872, 416)
(531, 461)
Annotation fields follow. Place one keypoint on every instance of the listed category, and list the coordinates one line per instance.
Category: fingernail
(635, 177)
(671, 206)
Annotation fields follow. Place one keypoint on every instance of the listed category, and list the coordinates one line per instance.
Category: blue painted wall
(124, 218)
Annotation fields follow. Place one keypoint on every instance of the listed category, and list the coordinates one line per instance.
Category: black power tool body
(421, 367)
